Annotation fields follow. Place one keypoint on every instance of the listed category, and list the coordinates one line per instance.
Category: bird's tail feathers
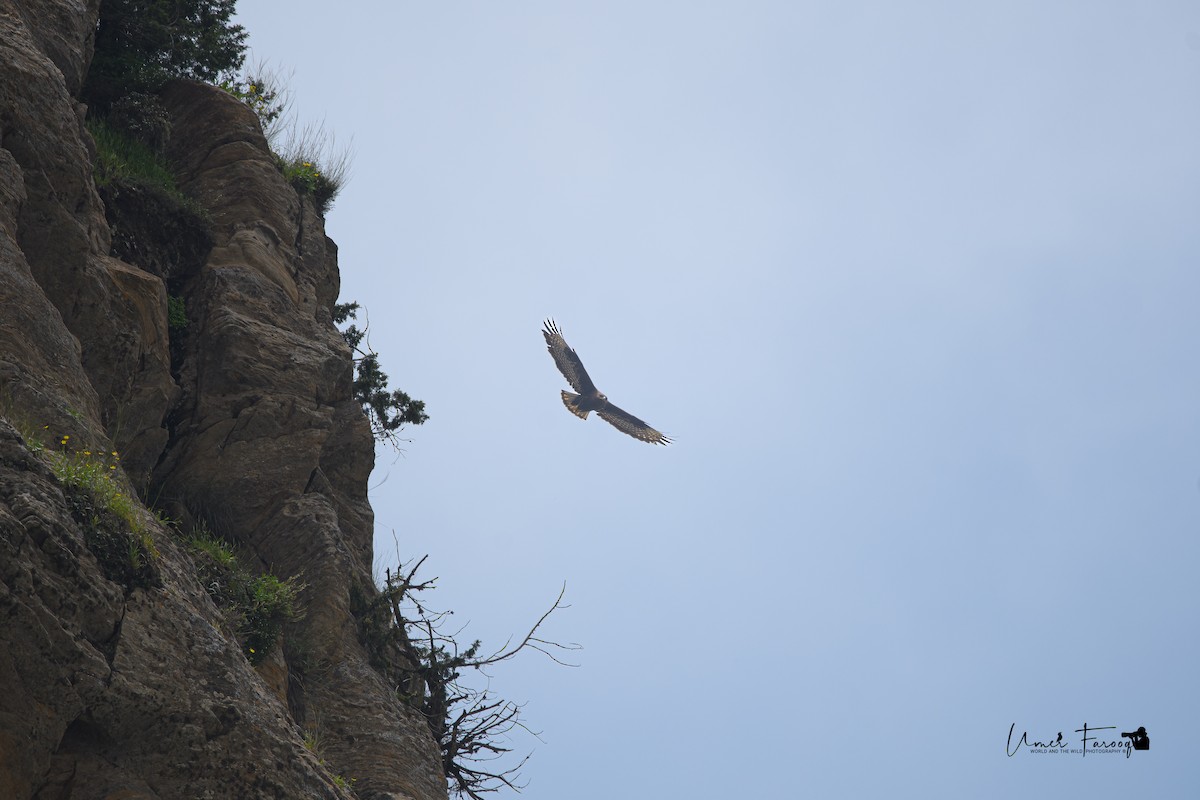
(569, 399)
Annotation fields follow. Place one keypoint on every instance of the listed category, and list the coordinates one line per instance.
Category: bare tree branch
(469, 725)
(533, 642)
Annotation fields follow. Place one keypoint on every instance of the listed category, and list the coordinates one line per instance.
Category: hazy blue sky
(915, 288)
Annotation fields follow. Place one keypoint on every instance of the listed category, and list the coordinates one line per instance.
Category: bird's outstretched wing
(567, 361)
(628, 423)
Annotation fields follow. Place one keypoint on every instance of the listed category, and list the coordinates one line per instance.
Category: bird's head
(601, 396)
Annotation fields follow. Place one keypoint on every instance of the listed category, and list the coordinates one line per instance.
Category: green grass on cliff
(119, 157)
(308, 156)
(125, 163)
(307, 178)
(256, 605)
(311, 160)
(112, 520)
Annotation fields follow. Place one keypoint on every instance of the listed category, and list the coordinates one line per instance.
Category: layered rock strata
(242, 422)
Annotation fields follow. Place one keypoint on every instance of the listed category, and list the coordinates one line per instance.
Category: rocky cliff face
(131, 684)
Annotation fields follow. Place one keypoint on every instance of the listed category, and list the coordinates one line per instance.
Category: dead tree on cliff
(468, 725)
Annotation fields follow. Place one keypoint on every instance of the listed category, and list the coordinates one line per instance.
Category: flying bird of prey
(590, 398)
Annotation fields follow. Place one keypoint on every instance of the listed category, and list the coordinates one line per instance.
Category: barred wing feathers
(628, 423)
(569, 400)
(590, 398)
(566, 360)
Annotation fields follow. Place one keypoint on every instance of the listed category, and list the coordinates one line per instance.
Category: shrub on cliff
(257, 605)
(387, 411)
(307, 177)
(307, 155)
(140, 44)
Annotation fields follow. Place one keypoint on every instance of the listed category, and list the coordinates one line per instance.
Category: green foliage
(308, 156)
(313, 165)
(263, 98)
(271, 602)
(113, 524)
(343, 312)
(33, 436)
(257, 605)
(313, 743)
(176, 313)
(142, 201)
(121, 157)
(140, 44)
(95, 472)
(218, 553)
(125, 557)
(307, 178)
(387, 410)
